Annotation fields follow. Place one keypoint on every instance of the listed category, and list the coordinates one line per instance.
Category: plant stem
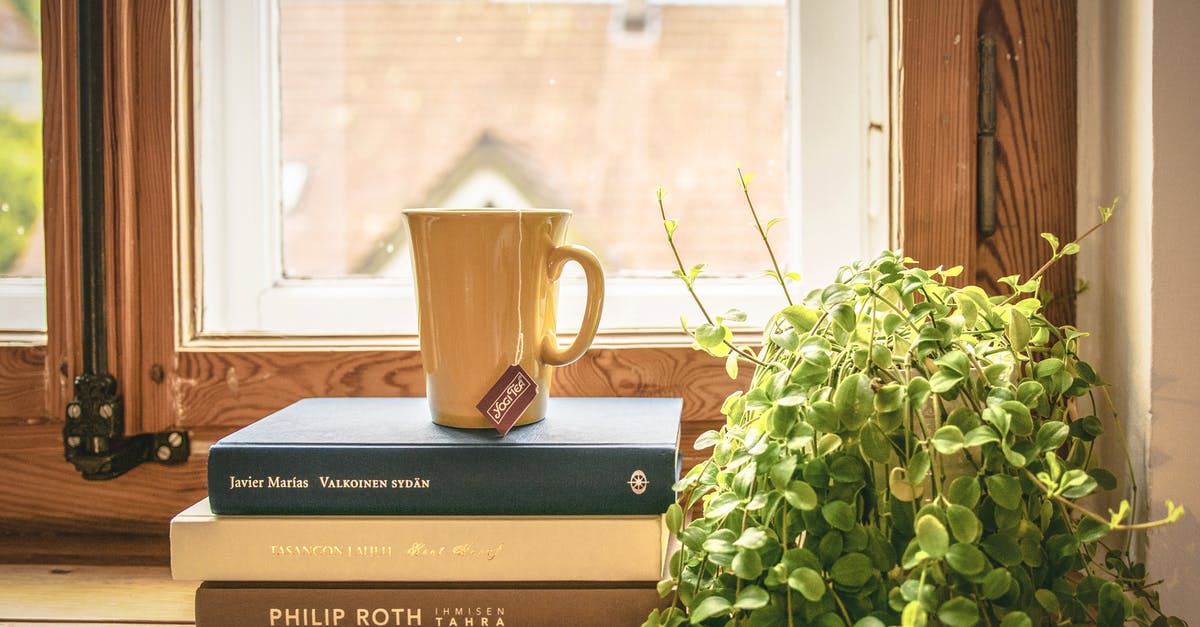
(1089, 513)
(840, 605)
(744, 354)
(1133, 486)
(1053, 260)
(896, 309)
(763, 234)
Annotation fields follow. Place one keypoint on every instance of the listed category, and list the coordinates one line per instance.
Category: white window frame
(836, 82)
(22, 306)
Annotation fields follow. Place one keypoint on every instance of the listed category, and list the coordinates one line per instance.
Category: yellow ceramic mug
(487, 296)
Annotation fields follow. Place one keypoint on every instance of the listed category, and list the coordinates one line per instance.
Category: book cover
(385, 456)
(205, 546)
(551, 604)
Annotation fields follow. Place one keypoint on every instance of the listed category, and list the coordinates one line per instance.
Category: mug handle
(552, 355)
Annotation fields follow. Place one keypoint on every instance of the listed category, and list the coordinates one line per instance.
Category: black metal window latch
(93, 437)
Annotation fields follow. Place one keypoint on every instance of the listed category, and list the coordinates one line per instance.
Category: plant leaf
(709, 335)
(1016, 619)
(966, 559)
(959, 612)
(751, 597)
(932, 536)
(1051, 435)
(948, 440)
(1005, 490)
(852, 570)
(731, 365)
(1019, 330)
(997, 583)
(874, 443)
(963, 523)
(801, 496)
(839, 515)
(747, 564)
(807, 582)
(1053, 239)
(854, 400)
(964, 491)
(674, 518)
(710, 607)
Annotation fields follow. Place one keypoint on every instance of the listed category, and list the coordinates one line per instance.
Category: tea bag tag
(508, 398)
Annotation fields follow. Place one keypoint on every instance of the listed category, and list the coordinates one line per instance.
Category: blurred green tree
(20, 184)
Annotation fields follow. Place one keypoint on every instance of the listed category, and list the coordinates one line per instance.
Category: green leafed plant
(908, 453)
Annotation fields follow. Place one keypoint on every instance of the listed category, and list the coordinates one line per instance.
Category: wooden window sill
(37, 594)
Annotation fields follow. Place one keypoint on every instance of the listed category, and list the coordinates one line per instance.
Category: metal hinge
(93, 435)
(985, 163)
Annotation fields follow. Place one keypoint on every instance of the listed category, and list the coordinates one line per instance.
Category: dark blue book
(590, 456)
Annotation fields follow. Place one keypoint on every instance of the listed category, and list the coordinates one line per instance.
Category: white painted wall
(1139, 138)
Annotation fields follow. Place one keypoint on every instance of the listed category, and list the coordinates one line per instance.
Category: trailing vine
(907, 453)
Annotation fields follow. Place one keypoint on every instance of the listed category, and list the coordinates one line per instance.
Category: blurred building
(20, 63)
(586, 105)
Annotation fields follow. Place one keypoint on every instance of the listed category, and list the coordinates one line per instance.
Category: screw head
(74, 441)
(106, 411)
(175, 439)
(163, 453)
(74, 410)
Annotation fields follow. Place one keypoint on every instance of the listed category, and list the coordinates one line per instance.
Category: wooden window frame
(170, 382)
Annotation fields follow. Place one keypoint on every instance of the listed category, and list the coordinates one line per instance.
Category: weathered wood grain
(937, 128)
(1036, 143)
(143, 190)
(22, 382)
(235, 388)
(60, 145)
(43, 493)
(85, 549)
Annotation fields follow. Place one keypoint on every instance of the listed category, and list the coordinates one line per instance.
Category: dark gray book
(385, 456)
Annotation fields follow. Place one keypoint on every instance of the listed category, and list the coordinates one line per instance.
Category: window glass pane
(21, 240)
(583, 105)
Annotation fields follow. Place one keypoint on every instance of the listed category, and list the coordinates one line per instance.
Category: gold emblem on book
(638, 482)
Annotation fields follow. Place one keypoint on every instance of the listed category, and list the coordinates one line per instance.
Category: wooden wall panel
(142, 156)
(235, 388)
(1036, 143)
(937, 122)
(1035, 138)
(60, 143)
(22, 383)
(42, 493)
(221, 391)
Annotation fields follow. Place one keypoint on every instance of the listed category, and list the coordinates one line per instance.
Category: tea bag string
(520, 350)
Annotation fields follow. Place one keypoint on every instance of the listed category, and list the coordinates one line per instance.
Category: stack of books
(344, 512)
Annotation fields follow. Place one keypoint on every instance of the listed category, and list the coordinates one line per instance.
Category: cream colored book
(416, 548)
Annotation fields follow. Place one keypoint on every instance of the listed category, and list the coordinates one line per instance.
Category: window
(171, 379)
(348, 113)
(22, 264)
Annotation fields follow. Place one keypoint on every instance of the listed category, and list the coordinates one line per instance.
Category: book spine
(566, 548)
(221, 606)
(441, 480)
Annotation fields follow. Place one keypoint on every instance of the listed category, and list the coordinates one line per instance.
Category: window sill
(617, 339)
(100, 595)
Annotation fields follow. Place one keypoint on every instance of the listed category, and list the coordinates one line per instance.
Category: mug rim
(436, 211)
